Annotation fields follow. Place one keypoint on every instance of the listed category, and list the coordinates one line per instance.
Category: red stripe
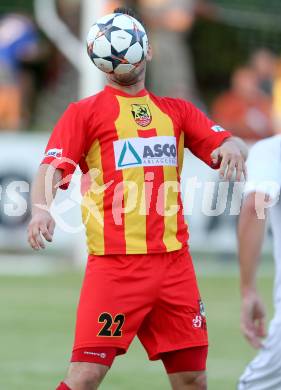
(182, 232)
(155, 225)
(182, 229)
(114, 235)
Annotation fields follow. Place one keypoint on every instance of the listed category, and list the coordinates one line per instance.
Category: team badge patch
(141, 114)
(56, 153)
(199, 320)
(217, 129)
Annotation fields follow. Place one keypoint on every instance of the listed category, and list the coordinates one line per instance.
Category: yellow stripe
(164, 126)
(133, 179)
(92, 203)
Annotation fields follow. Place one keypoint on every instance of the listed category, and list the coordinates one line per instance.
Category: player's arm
(63, 152)
(250, 238)
(44, 190)
(213, 144)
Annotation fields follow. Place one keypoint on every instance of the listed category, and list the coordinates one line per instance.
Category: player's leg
(84, 376)
(107, 316)
(264, 371)
(175, 330)
(189, 380)
(186, 368)
(88, 368)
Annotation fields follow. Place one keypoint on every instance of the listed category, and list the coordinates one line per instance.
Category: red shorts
(152, 296)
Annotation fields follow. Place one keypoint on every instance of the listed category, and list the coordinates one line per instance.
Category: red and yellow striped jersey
(130, 150)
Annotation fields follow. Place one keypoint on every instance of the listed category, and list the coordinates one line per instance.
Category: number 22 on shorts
(108, 320)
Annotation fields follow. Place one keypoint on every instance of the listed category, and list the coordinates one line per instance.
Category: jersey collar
(116, 91)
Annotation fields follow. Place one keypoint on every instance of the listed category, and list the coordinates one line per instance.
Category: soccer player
(139, 277)
(262, 198)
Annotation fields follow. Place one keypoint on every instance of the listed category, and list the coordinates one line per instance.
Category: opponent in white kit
(261, 198)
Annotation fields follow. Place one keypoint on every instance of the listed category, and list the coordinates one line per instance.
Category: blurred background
(224, 56)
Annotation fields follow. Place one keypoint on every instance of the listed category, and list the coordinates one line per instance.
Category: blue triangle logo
(128, 156)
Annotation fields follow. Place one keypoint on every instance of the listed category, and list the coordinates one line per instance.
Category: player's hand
(253, 319)
(41, 225)
(232, 160)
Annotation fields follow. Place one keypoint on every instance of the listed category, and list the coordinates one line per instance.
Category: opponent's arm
(232, 155)
(43, 193)
(250, 238)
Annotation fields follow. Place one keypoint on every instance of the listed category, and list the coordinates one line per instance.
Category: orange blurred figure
(277, 99)
(263, 62)
(244, 109)
(10, 101)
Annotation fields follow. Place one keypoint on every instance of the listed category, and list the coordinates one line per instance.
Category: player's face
(136, 75)
(131, 78)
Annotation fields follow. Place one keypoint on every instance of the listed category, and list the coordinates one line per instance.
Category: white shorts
(264, 371)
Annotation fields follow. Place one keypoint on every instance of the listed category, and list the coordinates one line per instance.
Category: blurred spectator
(244, 109)
(277, 99)
(9, 100)
(69, 11)
(110, 5)
(263, 62)
(171, 71)
(19, 51)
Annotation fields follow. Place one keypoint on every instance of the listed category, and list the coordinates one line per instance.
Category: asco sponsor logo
(153, 151)
(56, 153)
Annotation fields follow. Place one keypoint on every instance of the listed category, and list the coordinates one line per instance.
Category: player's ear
(149, 53)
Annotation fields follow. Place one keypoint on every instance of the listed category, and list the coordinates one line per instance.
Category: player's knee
(85, 376)
(200, 381)
(191, 380)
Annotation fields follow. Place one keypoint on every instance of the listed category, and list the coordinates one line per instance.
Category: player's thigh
(186, 368)
(112, 303)
(177, 320)
(85, 374)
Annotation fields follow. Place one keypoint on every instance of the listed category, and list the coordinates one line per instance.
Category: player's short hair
(129, 11)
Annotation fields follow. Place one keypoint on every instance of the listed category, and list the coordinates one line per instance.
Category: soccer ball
(117, 43)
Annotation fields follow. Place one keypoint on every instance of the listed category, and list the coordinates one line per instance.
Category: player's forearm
(250, 236)
(44, 187)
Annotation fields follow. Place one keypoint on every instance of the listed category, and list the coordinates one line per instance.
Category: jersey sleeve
(66, 144)
(264, 168)
(202, 135)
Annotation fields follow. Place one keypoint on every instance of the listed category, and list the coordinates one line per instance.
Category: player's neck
(133, 89)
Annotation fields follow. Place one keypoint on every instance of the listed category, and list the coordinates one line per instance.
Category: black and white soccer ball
(117, 43)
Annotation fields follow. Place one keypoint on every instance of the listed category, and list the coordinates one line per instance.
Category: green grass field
(37, 321)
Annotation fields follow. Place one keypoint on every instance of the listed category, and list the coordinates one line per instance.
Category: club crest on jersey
(141, 114)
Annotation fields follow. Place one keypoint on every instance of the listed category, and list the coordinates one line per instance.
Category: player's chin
(129, 78)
